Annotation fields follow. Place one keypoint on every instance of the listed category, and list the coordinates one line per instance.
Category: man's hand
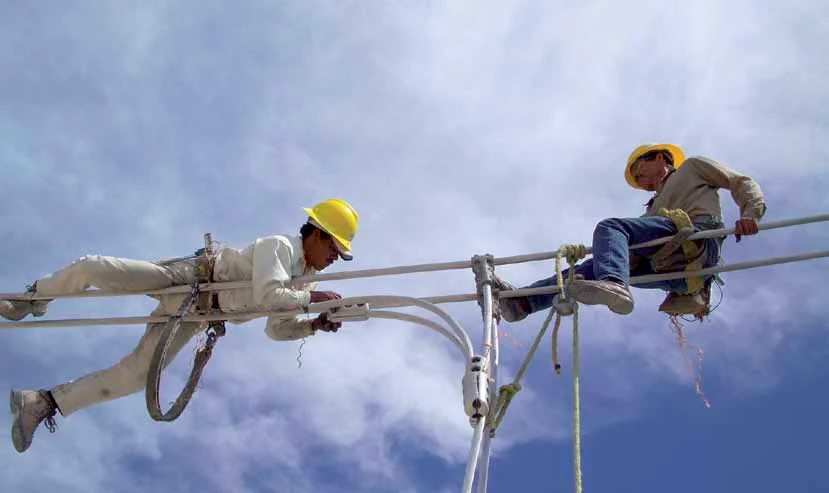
(745, 226)
(322, 323)
(320, 296)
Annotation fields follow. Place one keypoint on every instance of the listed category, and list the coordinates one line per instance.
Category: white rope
(491, 343)
(466, 352)
(435, 300)
(488, 330)
(406, 269)
(483, 460)
(474, 453)
(732, 267)
(375, 301)
(385, 300)
(678, 275)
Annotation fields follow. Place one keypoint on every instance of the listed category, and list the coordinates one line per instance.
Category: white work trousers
(130, 374)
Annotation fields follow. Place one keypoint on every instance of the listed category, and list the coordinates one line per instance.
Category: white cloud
(455, 130)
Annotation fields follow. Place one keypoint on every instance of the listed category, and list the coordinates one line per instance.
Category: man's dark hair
(308, 229)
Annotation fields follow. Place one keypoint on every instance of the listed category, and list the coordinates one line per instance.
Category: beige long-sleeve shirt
(694, 188)
(269, 263)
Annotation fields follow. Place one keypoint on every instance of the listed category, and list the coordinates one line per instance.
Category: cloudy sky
(455, 129)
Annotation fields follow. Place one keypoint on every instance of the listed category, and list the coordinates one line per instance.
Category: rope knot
(573, 253)
(511, 389)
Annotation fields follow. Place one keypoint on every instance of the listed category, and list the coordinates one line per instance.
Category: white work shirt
(269, 263)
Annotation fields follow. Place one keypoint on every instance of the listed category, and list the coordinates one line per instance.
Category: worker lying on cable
(267, 262)
(686, 200)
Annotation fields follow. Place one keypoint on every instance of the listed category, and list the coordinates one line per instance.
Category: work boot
(614, 295)
(15, 310)
(512, 309)
(687, 304)
(29, 408)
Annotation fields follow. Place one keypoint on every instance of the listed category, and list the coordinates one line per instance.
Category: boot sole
(16, 407)
(508, 314)
(598, 296)
(12, 317)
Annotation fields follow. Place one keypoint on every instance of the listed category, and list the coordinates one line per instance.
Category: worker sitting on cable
(268, 263)
(686, 200)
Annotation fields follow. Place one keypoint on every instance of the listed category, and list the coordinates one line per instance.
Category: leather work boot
(616, 296)
(689, 304)
(512, 309)
(29, 408)
(15, 310)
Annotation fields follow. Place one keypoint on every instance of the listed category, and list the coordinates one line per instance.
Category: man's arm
(272, 259)
(744, 190)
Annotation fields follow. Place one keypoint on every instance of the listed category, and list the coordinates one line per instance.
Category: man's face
(650, 172)
(320, 252)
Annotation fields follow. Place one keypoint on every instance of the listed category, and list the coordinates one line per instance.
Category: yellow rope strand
(554, 349)
(556, 364)
(506, 393)
(573, 254)
(576, 405)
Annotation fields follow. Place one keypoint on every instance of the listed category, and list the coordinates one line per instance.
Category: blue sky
(454, 129)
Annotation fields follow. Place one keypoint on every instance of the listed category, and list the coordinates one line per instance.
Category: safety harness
(682, 254)
(207, 301)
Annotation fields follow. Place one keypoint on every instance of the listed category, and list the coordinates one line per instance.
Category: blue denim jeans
(611, 257)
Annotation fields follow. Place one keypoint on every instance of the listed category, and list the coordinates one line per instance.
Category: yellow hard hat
(337, 218)
(675, 152)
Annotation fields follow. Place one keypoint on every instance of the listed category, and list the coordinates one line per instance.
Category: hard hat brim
(342, 246)
(675, 152)
(345, 254)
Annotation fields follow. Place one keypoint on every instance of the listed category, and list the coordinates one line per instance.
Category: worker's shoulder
(700, 160)
(699, 165)
(280, 241)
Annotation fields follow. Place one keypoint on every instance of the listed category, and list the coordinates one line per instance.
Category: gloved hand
(322, 323)
(320, 296)
(745, 226)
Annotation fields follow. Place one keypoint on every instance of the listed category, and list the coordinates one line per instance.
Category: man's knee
(611, 223)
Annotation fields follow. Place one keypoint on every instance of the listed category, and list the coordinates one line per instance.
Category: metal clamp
(349, 313)
(476, 390)
(483, 266)
(564, 307)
